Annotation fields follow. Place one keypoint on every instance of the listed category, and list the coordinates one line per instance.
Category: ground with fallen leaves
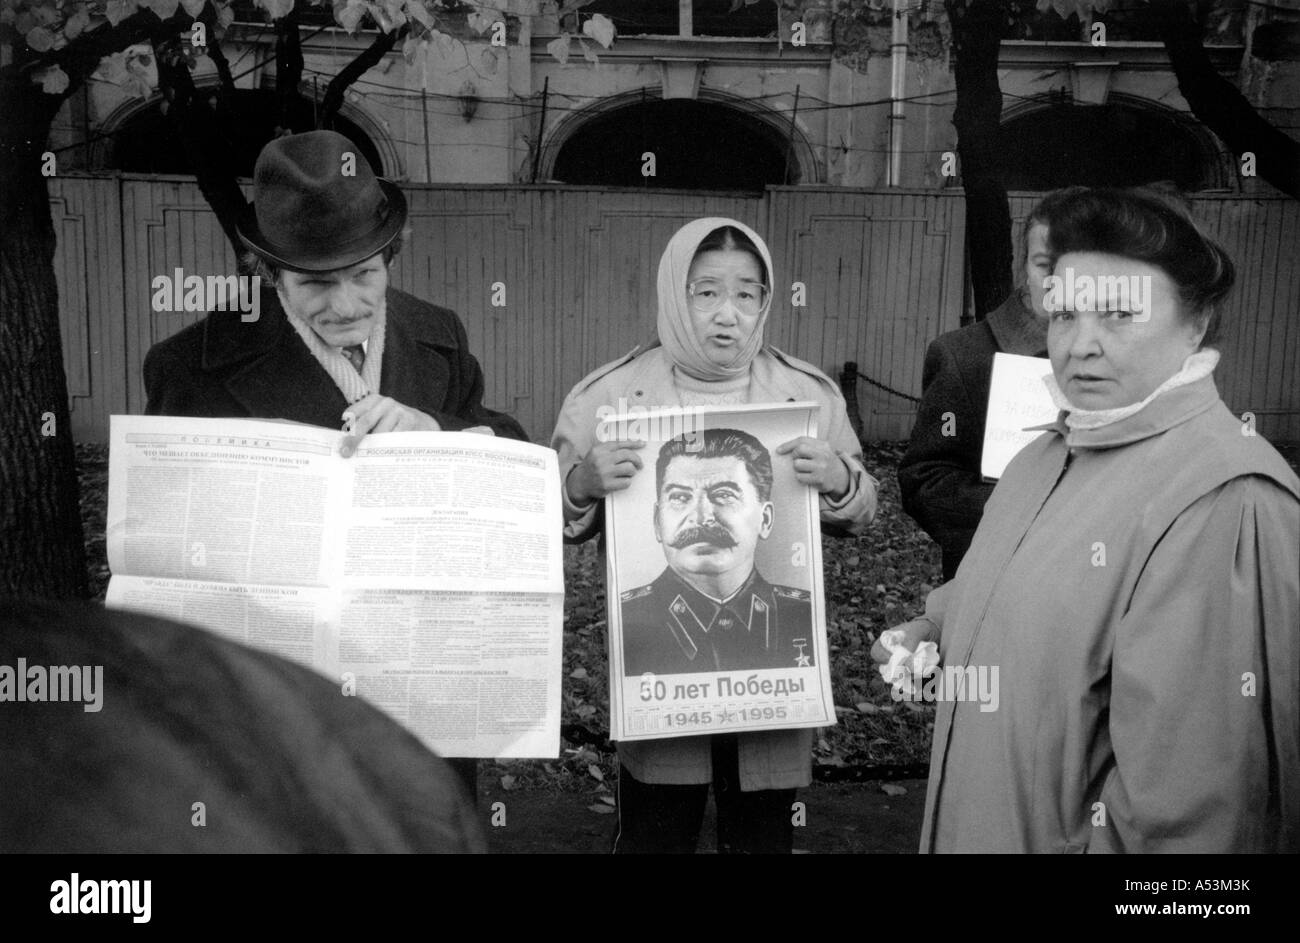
(869, 818)
(871, 583)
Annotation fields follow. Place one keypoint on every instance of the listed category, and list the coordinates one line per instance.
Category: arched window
(697, 145)
(146, 140)
(1120, 143)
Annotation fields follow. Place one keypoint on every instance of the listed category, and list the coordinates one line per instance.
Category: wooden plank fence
(882, 274)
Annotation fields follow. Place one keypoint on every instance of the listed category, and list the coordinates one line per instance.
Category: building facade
(833, 92)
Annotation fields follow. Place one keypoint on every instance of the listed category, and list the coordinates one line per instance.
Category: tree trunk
(41, 540)
(977, 29)
(1219, 105)
(42, 552)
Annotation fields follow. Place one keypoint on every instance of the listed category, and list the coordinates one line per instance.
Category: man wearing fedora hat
(336, 345)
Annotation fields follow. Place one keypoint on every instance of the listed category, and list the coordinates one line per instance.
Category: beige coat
(778, 759)
(1138, 588)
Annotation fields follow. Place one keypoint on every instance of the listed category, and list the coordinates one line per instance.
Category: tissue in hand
(906, 668)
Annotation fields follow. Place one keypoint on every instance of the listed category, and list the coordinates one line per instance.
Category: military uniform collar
(738, 604)
(697, 621)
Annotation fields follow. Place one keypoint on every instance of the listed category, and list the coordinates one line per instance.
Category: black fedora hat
(307, 215)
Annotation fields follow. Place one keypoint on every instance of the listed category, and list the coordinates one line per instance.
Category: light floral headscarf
(676, 331)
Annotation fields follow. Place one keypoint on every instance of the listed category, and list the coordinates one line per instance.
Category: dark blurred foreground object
(281, 759)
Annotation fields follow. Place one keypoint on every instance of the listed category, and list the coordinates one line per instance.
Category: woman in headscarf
(715, 291)
(1131, 599)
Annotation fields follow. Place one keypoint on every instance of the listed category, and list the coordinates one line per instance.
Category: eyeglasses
(708, 294)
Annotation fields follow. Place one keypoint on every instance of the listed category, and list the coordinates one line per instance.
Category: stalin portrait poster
(716, 613)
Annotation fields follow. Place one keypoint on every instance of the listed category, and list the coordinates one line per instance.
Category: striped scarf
(352, 385)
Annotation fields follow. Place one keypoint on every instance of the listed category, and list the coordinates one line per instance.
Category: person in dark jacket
(136, 734)
(334, 344)
(221, 368)
(939, 476)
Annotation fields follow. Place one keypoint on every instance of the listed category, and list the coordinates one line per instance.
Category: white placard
(1018, 399)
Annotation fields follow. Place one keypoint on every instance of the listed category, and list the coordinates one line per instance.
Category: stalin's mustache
(714, 534)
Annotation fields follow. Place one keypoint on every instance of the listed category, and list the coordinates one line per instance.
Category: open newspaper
(424, 573)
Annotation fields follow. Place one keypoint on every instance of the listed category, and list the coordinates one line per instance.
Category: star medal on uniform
(801, 660)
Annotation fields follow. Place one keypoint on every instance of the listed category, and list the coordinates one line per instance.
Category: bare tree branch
(216, 53)
(378, 48)
(288, 66)
(1218, 104)
(199, 129)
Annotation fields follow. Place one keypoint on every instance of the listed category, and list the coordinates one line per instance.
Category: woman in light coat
(1120, 646)
(715, 287)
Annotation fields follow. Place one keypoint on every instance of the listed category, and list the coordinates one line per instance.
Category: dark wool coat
(939, 476)
(224, 368)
